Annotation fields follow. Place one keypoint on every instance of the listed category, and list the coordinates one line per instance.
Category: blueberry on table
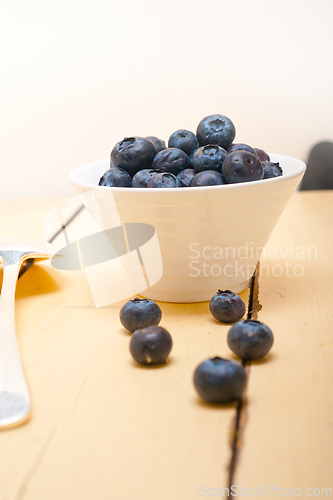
(207, 178)
(184, 140)
(262, 155)
(141, 178)
(162, 180)
(115, 177)
(133, 154)
(250, 339)
(216, 129)
(185, 177)
(241, 147)
(171, 160)
(220, 380)
(271, 169)
(241, 166)
(139, 313)
(151, 345)
(158, 143)
(227, 306)
(209, 157)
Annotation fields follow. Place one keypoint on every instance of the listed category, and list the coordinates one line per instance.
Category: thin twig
(254, 307)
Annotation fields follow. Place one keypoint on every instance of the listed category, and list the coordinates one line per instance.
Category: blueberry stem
(254, 305)
(250, 304)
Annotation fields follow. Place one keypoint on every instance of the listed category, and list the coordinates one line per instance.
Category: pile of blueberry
(216, 380)
(220, 380)
(208, 158)
(150, 344)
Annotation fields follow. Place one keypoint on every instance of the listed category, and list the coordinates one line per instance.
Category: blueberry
(141, 178)
(271, 169)
(133, 154)
(241, 147)
(184, 140)
(158, 143)
(216, 129)
(151, 345)
(209, 157)
(262, 155)
(191, 157)
(115, 177)
(250, 339)
(219, 380)
(227, 306)
(139, 313)
(185, 177)
(241, 166)
(207, 178)
(171, 160)
(162, 180)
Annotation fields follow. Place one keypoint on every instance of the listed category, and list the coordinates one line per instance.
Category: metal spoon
(15, 400)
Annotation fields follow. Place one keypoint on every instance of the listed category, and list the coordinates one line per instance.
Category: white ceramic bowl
(210, 237)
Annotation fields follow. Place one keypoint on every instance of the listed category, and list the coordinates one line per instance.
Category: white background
(78, 76)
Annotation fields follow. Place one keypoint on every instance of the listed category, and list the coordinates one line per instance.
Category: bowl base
(186, 298)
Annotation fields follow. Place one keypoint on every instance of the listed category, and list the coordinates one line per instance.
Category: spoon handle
(15, 401)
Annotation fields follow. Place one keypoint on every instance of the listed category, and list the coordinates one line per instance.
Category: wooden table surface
(105, 428)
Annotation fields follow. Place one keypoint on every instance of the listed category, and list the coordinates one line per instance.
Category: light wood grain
(103, 427)
(289, 433)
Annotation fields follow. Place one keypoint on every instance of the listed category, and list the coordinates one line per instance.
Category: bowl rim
(238, 185)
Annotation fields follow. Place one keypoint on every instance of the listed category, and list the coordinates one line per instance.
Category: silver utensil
(15, 403)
